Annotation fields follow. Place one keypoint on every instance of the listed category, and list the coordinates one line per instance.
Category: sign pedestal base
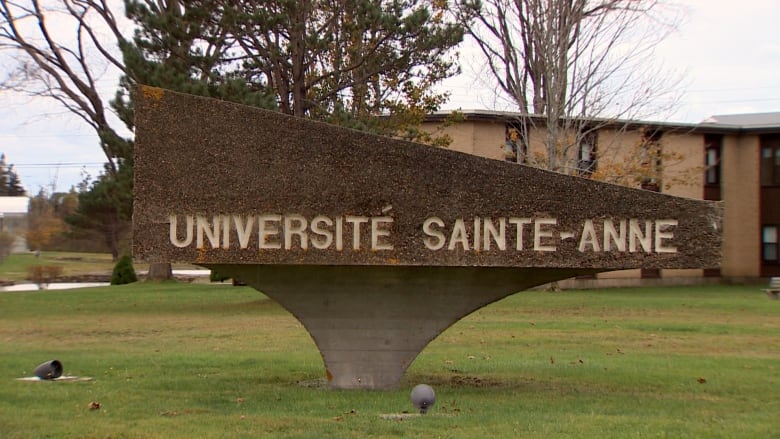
(371, 322)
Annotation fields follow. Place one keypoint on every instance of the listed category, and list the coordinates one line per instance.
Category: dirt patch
(462, 381)
(82, 278)
(473, 381)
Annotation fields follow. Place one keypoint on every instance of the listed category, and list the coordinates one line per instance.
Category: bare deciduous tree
(576, 65)
(62, 49)
(55, 62)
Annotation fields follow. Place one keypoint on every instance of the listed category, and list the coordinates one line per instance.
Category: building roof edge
(723, 124)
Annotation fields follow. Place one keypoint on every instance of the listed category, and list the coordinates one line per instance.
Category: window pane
(712, 166)
(585, 150)
(777, 167)
(712, 173)
(712, 163)
(586, 162)
(510, 151)
(770, 235)
(712, 156)
(767, 167)
(770, 252)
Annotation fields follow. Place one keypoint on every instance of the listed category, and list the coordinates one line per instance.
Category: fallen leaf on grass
(701, 380)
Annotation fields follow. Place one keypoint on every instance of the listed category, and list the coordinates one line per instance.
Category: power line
(56, 165)
(736, 101)
(31, 136)
(710, 90)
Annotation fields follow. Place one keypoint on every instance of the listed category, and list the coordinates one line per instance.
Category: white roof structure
(14, 205)
(745, 121)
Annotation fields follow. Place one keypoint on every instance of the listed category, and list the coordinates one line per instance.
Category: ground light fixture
(49, 370)
(423, 397)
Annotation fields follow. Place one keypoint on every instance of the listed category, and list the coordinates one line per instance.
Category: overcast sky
(727, 51)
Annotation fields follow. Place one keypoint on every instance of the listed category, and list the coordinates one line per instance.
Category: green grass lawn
(14, 267)
(181, 361)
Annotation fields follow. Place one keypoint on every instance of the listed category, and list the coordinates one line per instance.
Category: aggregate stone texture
(197, 156)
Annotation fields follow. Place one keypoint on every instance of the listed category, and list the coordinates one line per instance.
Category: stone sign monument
(378, 245)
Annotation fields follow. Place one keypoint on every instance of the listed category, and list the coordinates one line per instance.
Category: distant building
(730, 158)
(14, 220)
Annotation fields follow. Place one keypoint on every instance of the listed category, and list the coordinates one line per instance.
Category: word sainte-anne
(269, 232)
(632, 235)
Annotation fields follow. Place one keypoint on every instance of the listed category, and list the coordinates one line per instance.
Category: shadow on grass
(515, 384)
(263, 305)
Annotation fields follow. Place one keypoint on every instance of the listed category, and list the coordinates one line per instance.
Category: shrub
(216, 277)
(123, 273)
(6, 245)
(42, 275)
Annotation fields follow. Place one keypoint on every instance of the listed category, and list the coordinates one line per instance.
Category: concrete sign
(375, 244)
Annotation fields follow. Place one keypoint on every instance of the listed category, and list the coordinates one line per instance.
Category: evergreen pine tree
(15, 188)
(123, 272)
(3, 176)
(10, 184)
(182, 46)
(167, 51)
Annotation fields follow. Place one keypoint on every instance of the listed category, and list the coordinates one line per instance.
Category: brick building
(734, 159)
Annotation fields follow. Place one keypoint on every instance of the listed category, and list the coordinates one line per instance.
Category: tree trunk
(160, 271)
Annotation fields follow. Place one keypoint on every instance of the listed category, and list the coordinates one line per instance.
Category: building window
(586, 156)
(712, 145)
(770, 161)
(515, 147)
(769, 243)
(652, 160)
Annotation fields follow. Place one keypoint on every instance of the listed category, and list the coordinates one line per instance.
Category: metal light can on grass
(423, 397)
(49, 370)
